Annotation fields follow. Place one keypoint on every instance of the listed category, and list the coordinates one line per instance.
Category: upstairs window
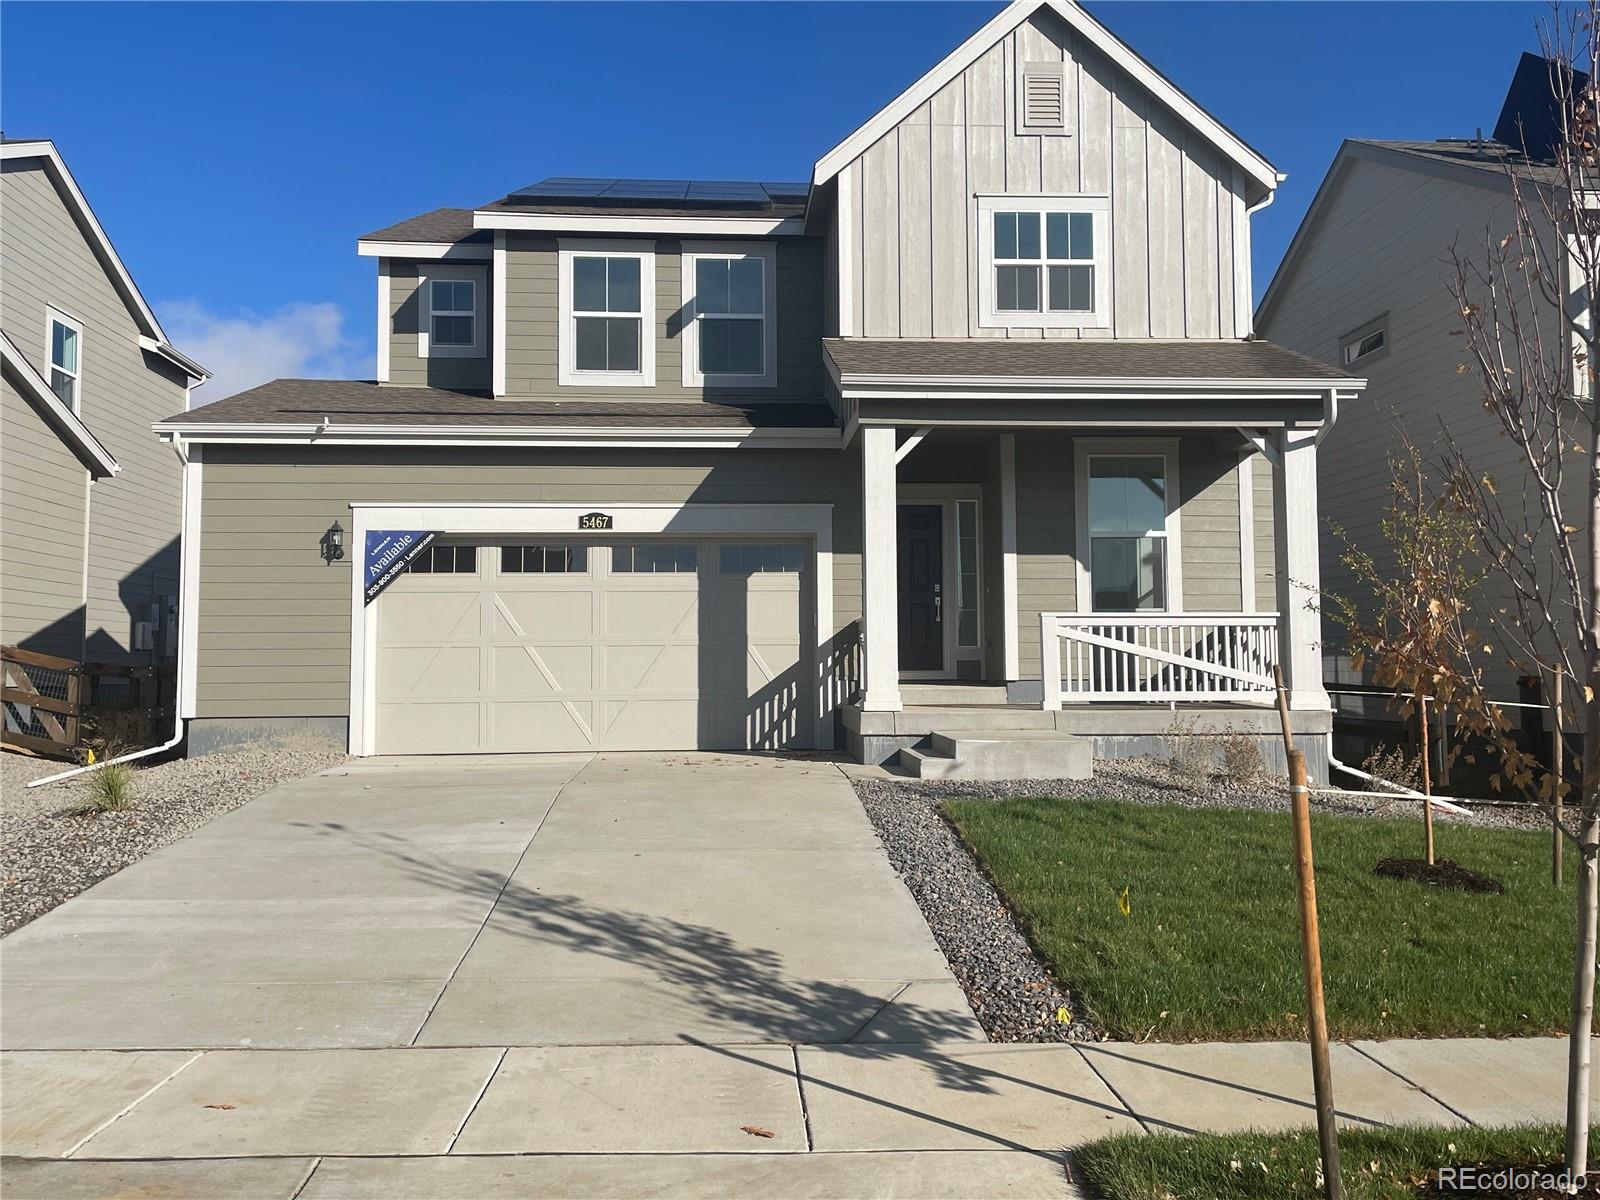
(65, 351)
(607, 314)
(1371, 339)
(450, 300)
(1045, 262)
(730, 293)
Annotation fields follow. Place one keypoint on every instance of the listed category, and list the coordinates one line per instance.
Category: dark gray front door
(921, 581)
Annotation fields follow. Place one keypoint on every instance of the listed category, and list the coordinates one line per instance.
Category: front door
(921, 569)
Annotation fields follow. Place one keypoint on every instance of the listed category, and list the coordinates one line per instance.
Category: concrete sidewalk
(886, 1119)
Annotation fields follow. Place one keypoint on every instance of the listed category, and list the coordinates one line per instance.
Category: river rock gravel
(48, 853)
(1012, 994)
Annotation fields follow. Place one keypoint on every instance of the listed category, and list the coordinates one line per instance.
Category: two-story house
(1365, 285)
(961, 450)
(89, 501)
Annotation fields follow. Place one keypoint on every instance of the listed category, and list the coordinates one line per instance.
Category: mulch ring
(1444, 872)
(1501, 1181)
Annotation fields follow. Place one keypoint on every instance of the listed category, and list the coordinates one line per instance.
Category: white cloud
(241, 350)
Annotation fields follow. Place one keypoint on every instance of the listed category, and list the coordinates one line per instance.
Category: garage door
(542, 645)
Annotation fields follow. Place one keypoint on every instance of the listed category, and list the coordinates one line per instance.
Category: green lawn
(1378, 1164)
(1211, 949)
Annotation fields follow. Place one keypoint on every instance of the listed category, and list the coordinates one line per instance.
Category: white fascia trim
(1077, 383)
(814, 521)
(385, 289)
(71, 427)
(1259, 169)
(656, 226)
(466, 250)
(497, 304)
(183, 362)
(533, 435)
(98, 240)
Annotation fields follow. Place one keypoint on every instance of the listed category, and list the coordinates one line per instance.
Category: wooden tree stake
(1311, 953)
(1427, 783)
(1557, 748)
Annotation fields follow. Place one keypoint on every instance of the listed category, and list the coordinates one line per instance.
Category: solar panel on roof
(566, 187)
(722, 189)
(727, 193)
(647, 189)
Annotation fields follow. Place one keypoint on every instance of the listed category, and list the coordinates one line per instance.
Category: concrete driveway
(499, 902)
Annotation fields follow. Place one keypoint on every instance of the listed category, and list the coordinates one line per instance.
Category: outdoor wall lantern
(333, 543)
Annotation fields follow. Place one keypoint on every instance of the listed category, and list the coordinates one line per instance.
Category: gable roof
(144, 317)
(1263, 174)
(1476, 163)
(67, 424)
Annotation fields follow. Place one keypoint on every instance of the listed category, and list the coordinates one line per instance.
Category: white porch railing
(1157, 656)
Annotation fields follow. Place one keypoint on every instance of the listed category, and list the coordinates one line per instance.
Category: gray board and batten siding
(1180, 227)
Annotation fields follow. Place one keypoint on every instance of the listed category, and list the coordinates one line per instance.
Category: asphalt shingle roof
(1062, 358)
(360, 402)
(440, 225)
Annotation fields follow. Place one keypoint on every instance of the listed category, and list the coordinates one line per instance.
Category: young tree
(1414, 625)
(1529, 341)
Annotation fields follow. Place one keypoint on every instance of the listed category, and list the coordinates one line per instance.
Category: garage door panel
(528, 726)
(610, 659)
(655, 612)
(444, 727)
(673, 670)
(415, 616)
(424, 672)
(531, 670)
(562, 614)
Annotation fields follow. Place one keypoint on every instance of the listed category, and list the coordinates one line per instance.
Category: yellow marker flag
(1063, 1015)
(91, 757)
(1124, 904)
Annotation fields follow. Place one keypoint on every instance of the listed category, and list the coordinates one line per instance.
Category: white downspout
(181, 694)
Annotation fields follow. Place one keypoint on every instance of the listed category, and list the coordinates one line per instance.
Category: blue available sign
(389, 552)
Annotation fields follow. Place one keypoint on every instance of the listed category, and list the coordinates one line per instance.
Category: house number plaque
(595, 520)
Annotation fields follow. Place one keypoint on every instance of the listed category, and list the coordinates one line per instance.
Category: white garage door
(629, 645)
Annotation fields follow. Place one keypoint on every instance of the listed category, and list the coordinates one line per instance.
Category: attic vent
(1042, 99)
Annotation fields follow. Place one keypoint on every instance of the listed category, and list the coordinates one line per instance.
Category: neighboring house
(1365, 285)
(970, 419)
(89, 500)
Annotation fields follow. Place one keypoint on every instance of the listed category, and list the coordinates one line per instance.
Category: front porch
(1058, 569)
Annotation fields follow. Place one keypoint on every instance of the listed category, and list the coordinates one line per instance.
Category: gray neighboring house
(1364, 286)
(960, 452)
(90, 501)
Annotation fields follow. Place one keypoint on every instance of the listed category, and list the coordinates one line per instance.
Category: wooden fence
(45, 698)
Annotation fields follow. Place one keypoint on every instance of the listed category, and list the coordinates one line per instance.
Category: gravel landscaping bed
(48, 854)
(1012, 994)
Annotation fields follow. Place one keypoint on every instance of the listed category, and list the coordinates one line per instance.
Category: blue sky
(235, 151)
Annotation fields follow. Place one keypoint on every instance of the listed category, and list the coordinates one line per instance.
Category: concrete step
(955, 694)
(924, 719)
(1001, 754)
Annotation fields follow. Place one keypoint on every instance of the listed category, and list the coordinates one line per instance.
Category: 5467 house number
(595, 520)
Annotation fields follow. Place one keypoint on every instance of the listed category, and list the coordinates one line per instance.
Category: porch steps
(952, 694)
(1001, 754)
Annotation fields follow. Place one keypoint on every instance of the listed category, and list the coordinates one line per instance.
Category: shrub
(1392, 765)
(1241, 757)
(1187, 752)
(110, 789)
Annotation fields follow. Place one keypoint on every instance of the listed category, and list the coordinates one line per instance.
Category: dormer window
(451, 318)
(1045, 261)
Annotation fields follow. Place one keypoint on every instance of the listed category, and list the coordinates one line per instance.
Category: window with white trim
(1045, 261)
(730, 310)
(1372, 338)
(1126, 550)
(64, 352)
(607, 304)
(450, 300)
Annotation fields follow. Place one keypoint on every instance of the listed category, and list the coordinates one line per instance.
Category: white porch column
(880, 619)
(1299, 574)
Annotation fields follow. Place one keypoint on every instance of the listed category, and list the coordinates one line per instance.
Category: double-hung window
(1127, 527)
(607, 333)
(451, 302)
(1044, 261)
(64, 345)
(730, 296)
